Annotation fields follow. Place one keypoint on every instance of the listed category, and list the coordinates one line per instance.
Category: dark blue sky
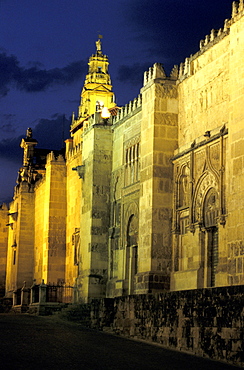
(45, 46)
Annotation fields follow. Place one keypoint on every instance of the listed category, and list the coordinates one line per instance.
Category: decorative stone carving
(184, 187)
(214, 156)
(206, 182)
(200, 160)
(169, 119)
(167, 91)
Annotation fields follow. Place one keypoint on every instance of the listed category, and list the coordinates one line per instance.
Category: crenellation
(227, 23)
(128, 109)
(201, 44)
(206, 40)
(74, 151)
(213, 34)
(185, 69)
(220, 31)
(241, 6)
(187, 66)
(60, 159)
(174, 73)
(235, 8)
(50, 157)
(181, 70)
(156, 71)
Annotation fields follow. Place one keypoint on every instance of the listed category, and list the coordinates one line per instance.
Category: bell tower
(97, 90)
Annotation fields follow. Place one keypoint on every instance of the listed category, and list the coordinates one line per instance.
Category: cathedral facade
(145, 198)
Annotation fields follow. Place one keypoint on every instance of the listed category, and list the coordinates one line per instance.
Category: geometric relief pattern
(214, 155)
(200, 160)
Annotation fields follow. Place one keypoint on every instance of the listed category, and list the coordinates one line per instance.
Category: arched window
(131, 252)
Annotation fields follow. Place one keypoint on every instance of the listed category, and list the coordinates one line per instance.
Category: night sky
(45, 46)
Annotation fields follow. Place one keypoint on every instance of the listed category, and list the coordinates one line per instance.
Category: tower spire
(97, 91)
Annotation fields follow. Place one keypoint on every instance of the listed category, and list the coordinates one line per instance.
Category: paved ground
(32, 342)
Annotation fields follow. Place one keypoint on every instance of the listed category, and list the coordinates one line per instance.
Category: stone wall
(204, 322)
(3, 246)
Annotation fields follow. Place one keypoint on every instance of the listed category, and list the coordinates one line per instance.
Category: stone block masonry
(203, 322)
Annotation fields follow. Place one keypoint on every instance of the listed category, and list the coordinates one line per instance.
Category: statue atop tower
(99, 44)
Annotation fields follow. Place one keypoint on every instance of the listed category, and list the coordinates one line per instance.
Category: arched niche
(184, 180)
(211, 209)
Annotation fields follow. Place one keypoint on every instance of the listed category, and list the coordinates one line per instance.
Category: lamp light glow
(105, 114)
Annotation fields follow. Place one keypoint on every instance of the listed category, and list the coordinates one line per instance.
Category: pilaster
(158, 141)
(96, 172)
(53, 267)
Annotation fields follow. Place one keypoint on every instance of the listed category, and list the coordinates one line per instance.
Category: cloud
(132, 73)
(35, 78)
(7, 123)
(50, 134)
(10, 149)
(9, 67)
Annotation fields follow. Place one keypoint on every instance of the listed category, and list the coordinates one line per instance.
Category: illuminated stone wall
(50, 219)
(124, 199)
(94, 216)
(73, 191)
(20, 239)
(54, 237)
(158, 142)
(150, 199)
(40, 209)
(235, 173)
(208, 164)
(3, 246)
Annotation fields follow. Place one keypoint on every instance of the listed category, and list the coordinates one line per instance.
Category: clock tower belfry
(97, 90)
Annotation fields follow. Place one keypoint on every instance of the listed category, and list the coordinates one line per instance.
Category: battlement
(157, 71)
(237, 9)
(73, 151)
(128, 108)
(186, 68)
(51, 158)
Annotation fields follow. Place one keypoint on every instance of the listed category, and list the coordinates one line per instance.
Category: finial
(29, 133)
(99, 44)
